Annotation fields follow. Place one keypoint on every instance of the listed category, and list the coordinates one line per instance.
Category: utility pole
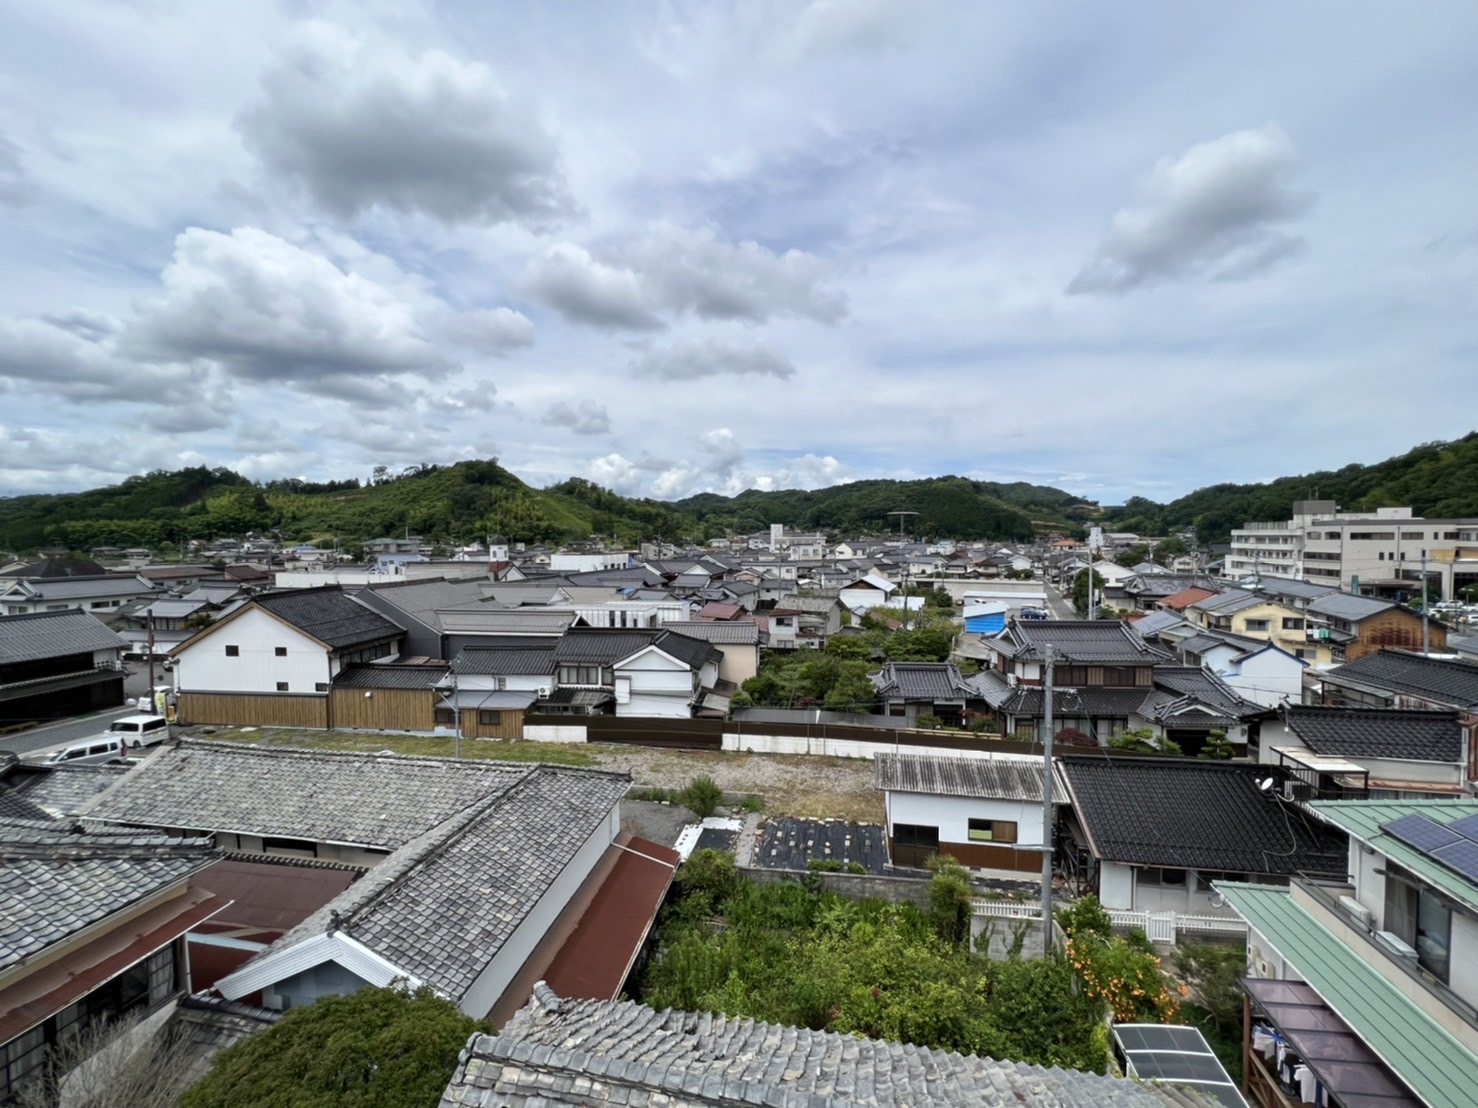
(1426, 624)
(151, 656)
(1047, 820)
(456, 717)
(901, 516)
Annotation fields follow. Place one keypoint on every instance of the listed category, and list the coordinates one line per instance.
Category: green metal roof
(1423, 1054)
(1362, 820)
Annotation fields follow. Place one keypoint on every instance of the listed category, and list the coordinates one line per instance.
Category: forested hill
(953, 507)
(1437, 479)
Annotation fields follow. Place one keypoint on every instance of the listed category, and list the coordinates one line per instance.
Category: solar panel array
(1169, 1052)
(1454, 845)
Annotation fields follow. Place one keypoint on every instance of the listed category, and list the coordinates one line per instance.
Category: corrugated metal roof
(989, 777)
(52, 635)
(511, 621)
(1363, 819)
(1438, 1068)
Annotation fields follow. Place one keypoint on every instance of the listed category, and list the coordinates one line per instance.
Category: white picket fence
(1159, 927)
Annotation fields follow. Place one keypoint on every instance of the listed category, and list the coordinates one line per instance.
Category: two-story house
(1359, 625)
(1364, 987)
(56, 664)
(1399, 753)
(1257, 617)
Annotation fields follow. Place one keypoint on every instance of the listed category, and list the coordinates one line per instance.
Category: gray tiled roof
(329, 615)
(442, 907)
(727, 632)
(378, 800)
(1378, 733)
(367, 676)
(72, 588)
(1156, 622)
(506, 661)
(995, 778)
(52, 635)
(1204, 687)
(1343, 605)
(63, 790)
(504, 621)
(1081, 641)
(592, 1052)
(55, 883)
(921, 681)
(1439, 679)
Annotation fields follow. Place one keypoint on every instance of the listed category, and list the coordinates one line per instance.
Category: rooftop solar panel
(1420, 832)
(1466, 827)
(1461, 855)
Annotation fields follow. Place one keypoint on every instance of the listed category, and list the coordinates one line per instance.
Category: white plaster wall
(500, 972)
(1266, 690)
(759, 743)
(952, 815)
(675, 705)
(1115, 885)
(1258, 947)
(555, 733)
(1370, 886)
(204, 667)
(1463, 974)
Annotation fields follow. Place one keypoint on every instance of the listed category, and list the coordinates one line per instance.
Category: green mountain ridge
(471, 499)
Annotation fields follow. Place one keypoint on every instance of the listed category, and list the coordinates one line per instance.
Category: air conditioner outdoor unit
(543, 690)
(1356, 911)
(1394, 944)
(1297, 790)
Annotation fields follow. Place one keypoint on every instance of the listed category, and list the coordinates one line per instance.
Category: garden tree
(1071, 736)
(1139, 552)
(1080, 588)
(1215, 999)
(1122, 973)
(1142, 740)
(939, 597)
(1218, 746)
(853, 690)
(928, 721)
(376, 1048)
(949, 898)
(105, 1065)
(701, 796)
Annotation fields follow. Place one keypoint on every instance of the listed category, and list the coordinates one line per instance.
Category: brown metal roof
(272, 896)
(595, 959)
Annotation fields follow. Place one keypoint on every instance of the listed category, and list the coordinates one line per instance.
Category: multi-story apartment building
(1275, 549)
(1390, 552)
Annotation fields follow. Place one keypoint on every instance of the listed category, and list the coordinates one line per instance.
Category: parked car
(140, 730)
(95, 751)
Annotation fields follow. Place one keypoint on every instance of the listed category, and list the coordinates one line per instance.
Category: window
(289, 846)
(579, 675)
(1291, 624)
(992, 831)
(445, 717)
(232, 650)
(912, 834)
(1258, 624)
(282, 686)
(280, 651)
(320, 686)
(1155, 875)
(489, 718)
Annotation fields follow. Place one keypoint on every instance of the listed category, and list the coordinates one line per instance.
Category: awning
(471, 700)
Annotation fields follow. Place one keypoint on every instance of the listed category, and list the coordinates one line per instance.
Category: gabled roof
(692, 652)
(727, 633)
(41, 635)
(329, 615)
(1343, 605)
(1198, 685)
(1180, 600)
(1230, 602)
(375, 800)
(72, 588)
(364, 675)
(497, 661)
(558, 1052)
(600, 646)
(920, 681)
(1076, 641)
(1443, 680)
(1403, 734)
(991, 777)
(505, 621)
(1195, 814)
(1156, 622)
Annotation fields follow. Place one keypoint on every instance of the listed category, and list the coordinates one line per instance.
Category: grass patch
(499, 750)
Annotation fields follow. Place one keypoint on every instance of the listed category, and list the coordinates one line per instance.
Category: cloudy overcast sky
(1123, 248)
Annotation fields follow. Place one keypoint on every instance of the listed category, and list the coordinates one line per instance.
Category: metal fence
(1159, 927)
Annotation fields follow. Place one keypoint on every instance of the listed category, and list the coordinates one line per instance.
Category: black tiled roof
(1378, 733)
(366, 676)
(693, 652)
(1439, 679)
(1195, 814)
(921, 681)
(53, 634)
(600, 646)
(1204, 687)
(1081, 641)
(329, 615)
(497, 661)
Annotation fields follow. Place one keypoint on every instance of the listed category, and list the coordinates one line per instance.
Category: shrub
(1085, 916)
(929, 721)
(702, 796)
(949, 898)
(824, 865)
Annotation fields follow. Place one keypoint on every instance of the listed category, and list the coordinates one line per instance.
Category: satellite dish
(1266, 784)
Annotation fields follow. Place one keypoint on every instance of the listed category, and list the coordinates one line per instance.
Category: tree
(701, 796)
(108, 1065)
(1218, 746)
(939, 597)
(1080, 589)
(853, 690)
(1142, 740)
(376, 1048)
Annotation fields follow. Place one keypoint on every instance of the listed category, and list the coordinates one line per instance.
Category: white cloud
(491, 330)
(669, 271)
(363, 124)
(57, 362)
(583, 290)
(690, 359)
(809, 471)
(616, 473)
(270, 311)
(588, 418)
(1211, 212)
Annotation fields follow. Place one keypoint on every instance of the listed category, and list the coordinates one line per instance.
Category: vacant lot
(791, 785)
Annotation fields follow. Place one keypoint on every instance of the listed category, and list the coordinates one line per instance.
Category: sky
(1122, 249)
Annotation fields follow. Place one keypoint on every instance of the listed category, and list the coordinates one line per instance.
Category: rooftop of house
(1183, 598)
(1179, 687)
(592, 1052)
(1444, 680)
(73, 588)
(692, 652)
(367, 676)
(53, 567)
(1076, 641)
(1366, 820)
(62, 790)
(1156, 622)
(27, 638)
(601, 646)
(513, 661)
(483, 620)
(725, 633)
(920, 681)
(1348, 607)
(1195, 814)
(376, 800)
(994, 777)
(441, 907)
(330, 615)
(1397, 733)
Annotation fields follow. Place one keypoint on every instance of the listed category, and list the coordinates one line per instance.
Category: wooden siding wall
(1399, 629)
(509, 725)
(386, 710)
(254, 709)
(974, 855)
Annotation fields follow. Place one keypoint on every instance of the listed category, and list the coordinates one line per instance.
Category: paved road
(41, 740)
(1061, 609)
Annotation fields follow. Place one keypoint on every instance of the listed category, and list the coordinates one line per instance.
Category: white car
(140, 731)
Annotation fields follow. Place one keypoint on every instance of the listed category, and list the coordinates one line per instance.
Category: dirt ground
(788, 784)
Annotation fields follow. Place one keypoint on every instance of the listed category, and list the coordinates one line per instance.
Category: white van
(141, 730)
(95, 751)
